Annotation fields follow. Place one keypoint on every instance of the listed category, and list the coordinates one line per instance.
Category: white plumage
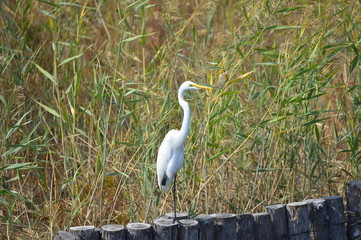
(171, 151)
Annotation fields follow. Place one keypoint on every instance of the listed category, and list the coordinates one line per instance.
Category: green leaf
(49, 109)
(13, 129)
(272, 120)
(71, 59)
(2, 99)
(11, 151)
(314, 121)
(280, 27)
(354, 63)
(47, 74)
(136, 37)
(19, 166)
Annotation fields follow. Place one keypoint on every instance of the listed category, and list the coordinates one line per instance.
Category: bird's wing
(165, 153)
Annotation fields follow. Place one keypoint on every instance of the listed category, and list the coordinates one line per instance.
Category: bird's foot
(177, 220)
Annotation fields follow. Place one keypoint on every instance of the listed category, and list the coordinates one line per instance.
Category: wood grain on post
(245, 227)
(263, 226)
(165, 229)
(136, 231)
(298, 221)
(113, 232)
(318, 219)
(279, 220)
(84, 232)
(225, 226)
(189, 230)
(353, 198)
(336, 218)
(206, 226)
(62, 235)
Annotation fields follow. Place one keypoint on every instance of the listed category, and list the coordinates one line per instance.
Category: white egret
(171, 151)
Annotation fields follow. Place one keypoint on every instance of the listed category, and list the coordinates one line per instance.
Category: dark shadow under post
(336, 218)
(263, 226)
(279, 221)
(353, 198)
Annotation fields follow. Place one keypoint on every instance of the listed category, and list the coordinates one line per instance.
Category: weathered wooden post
(137, 231)
(85, 232)
(279, 220)
(298, 221)
(188, 230)
(263, 226)
(180, 215)
(353, 197)
(318, 219)
(245, 227)
(62, 235)
(336, 218)
(113, 232)
(165, 229)
(225, 226)
(206, 226)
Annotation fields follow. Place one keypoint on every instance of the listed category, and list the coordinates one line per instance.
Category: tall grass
(88, 91)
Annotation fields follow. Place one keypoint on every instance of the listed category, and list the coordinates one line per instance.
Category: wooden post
(298, 221)
(62, 235)
(353, 197)
(279, 220)
(180, 215)
(318, 219)
(137, 231)
(113, 232)
(206, 226)
(245, 227)
(225, 226)
(189, 230)
(263, 226)
(165, 229)
(336, 218)
(85, 232)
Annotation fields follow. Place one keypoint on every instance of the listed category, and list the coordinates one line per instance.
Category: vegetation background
(88, 91)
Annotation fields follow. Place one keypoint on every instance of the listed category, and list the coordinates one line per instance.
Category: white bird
(171, 151)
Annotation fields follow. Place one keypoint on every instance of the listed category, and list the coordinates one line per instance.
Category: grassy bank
(88, 90)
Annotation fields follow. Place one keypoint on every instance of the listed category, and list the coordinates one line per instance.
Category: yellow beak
(203, 87)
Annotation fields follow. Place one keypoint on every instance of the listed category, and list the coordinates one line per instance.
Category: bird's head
(189, 85)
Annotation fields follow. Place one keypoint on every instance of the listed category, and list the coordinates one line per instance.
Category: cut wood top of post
(112, 227)
(223, 215)
(165, 222)
(81, 228)
(138, 226)
(180, 215)
(204, 217)
(296, 204)
(276, 206)
(188, 222)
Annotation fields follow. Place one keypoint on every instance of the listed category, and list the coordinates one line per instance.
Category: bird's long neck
(186, 117)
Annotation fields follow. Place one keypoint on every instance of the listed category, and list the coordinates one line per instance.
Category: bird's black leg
(175, 201)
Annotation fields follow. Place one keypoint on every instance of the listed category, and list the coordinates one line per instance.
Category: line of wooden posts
(322, 219)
